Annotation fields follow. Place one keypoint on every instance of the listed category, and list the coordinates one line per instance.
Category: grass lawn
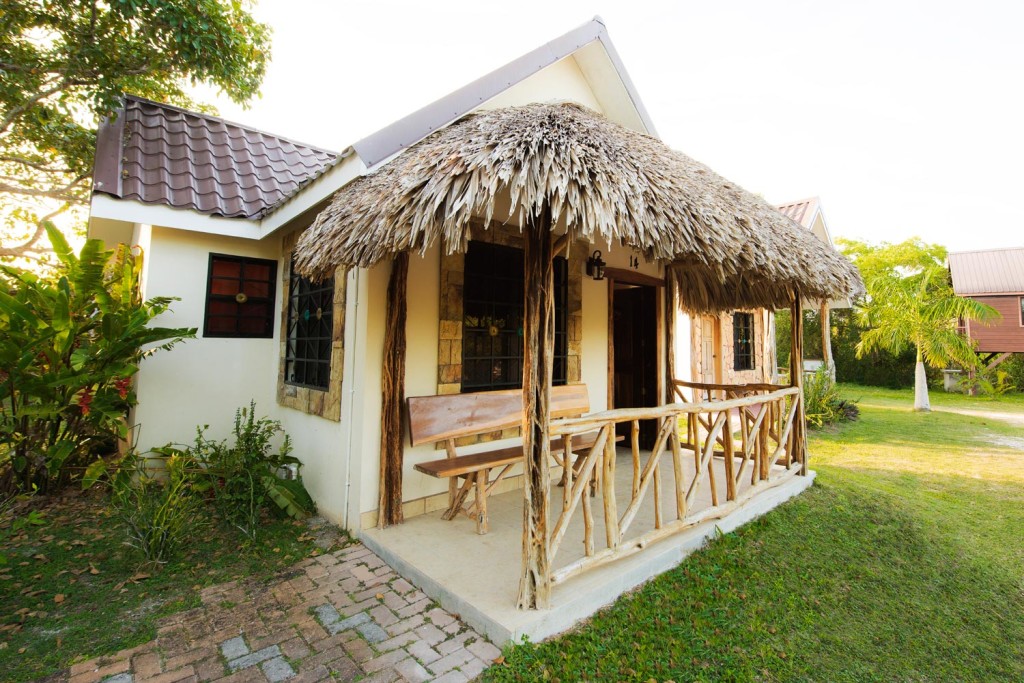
(70, 590)
(905, 561)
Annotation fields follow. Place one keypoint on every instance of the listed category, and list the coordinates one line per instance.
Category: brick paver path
(341, 616)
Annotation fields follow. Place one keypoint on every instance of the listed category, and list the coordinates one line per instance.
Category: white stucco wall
(202, 380)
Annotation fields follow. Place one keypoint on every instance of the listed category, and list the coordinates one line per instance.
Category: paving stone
(384, 661)
(277, 669)
(405, 625)
(452, 661)
(438, 617)
(327, 614)
(383, 616)
(423, 652)
(146, 665)
(372, 632)
(484, 650)
(431, 634)
(351, 622)
(414, 609)
(120, 678)
(452, 677)
(412, 671)
(255, 657)
(401, 586)
(473, 668)
(234, 648)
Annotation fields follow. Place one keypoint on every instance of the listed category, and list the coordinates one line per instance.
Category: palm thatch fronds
(727, 248)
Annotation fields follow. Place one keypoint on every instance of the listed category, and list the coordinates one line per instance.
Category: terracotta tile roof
(159, 154)
(994, 271)
(802, 211)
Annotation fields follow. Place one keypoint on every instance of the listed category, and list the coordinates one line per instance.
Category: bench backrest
(438, 418)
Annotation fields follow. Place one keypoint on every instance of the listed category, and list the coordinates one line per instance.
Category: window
(492, 338)
(240, 297)
(310, 329)
(743, 341)
(1021, 302)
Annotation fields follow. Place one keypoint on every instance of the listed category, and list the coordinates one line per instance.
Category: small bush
(822, 403)
(994, 382)
(250, 476)
(159, 513)
(70, 345)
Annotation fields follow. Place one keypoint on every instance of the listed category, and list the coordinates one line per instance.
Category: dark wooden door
(635, 362)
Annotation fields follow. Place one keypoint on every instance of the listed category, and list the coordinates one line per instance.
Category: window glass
(240, 297)
(492, 332)
(743, 341)
(310, 328)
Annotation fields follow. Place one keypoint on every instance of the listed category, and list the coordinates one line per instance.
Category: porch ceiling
(727, 247)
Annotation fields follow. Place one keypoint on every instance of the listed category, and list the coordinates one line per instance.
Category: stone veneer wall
(760, 373)
(449, 353)
(326, 404)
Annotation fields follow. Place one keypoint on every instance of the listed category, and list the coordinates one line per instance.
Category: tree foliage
(910, 303)
(69, 348)
(64, 64)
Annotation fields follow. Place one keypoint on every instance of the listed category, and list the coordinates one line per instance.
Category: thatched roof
(728, 248)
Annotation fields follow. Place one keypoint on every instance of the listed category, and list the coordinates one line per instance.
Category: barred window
(310, 327)
(743, 341)
(240, 297)
(492, 337)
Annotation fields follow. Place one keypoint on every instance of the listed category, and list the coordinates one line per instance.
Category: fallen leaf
(21, 650)
(58, 598)
(140, 576)
(499, 660)
(379, 596)
(41, 557)
(92, 569)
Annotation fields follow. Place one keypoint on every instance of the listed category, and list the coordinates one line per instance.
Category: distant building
(994, 277)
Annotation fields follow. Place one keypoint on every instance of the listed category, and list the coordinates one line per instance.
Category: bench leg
(481, 501)
(453, 510)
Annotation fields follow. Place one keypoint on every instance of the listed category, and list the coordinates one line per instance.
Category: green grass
(903, 562)
(70, 590)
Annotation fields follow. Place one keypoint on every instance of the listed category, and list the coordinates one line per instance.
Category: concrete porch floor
(477, 576)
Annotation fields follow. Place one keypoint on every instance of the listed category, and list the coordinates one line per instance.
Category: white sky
(906, 118)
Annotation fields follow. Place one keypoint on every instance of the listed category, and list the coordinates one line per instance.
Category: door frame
(632, 277)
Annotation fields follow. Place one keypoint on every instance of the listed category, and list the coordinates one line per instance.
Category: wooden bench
(434, 419)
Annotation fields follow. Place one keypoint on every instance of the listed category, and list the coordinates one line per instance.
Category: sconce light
(595, 266)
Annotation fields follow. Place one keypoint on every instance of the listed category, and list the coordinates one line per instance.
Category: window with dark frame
(240, 297)
(309, 333)
(1021, 302)
(492, 335)
(743, 341)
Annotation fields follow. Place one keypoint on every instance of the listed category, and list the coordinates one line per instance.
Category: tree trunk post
(389, 510)
(538, 340)
(796, 379)
(672, 306)
(826, 340)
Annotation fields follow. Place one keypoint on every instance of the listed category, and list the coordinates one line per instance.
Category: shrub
(250, 475)
(69, 347)
(160, 507)
(822, 404)
(987, 382)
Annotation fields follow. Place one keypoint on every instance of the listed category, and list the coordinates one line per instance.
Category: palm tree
(917, 307)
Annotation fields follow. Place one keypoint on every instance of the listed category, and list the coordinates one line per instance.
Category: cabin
(474, 325)
(994, 277)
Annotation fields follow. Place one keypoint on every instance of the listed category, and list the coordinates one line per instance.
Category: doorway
(634, 312)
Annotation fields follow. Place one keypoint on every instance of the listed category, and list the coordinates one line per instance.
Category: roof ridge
(985, 251)
(227, 122)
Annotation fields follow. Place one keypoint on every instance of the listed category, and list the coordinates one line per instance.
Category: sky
(905, 118)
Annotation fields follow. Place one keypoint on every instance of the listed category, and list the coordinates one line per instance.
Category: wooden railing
(751, 431)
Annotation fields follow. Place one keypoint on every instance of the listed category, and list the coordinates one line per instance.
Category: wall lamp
(595, 266)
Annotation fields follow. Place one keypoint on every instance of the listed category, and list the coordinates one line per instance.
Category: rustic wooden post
(826, 339)
(538, 357)
(389, 510)
(670, 336)
(796, 378)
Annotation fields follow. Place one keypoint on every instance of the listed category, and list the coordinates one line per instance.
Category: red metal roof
(159, 154)
(993, 271)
